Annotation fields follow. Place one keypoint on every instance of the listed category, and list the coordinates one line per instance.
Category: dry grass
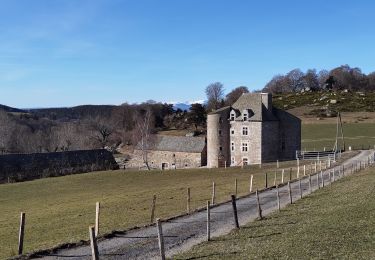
(60, 209)
(337, 222)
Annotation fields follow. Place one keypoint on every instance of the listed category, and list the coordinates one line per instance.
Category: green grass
(337, 222)
(59, 210)
(318, 136)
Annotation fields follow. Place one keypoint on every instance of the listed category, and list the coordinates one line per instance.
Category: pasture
(59, 210)
(337, 222)
(317, 136)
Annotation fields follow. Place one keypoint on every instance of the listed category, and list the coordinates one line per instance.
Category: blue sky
(71, 52)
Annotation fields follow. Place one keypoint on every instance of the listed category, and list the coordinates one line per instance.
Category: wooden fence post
(208, 221)
(334, 175)
(274, 180)
(213, 193)
(97, 214)
(290, 193)
(188, 201)
(290, 174)
(266, 180)
(260, 215)
(310, 188)
(153, 209)
(317, 180)
(251, 183)
(297, 168)
(234, 206)
(278, 197)
(304, 170)
(300, 188)
(277, 164)
(160, 238)
(235, 186)
(93, 244)
(21, 233)
(322, 177)
(282, 176)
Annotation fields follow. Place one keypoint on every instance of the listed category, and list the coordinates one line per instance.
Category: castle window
(245, 161)
(233, 161)
(245, 130)
(232, 116)
(245, 147)
(220, 132)
(221, 148)
(232, 146)
(232, 132)
(245, 117)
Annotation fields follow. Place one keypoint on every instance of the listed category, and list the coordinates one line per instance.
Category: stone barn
(251, 131)
(173, 152)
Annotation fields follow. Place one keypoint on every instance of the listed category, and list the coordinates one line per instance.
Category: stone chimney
(267, 100)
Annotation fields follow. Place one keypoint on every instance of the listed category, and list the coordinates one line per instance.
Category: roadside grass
(337, 222)
(59, 210)
(357, 135)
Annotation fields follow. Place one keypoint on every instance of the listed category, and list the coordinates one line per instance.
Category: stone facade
(251, 131)
(172, 152)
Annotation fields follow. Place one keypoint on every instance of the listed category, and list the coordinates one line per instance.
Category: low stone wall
(23, 167)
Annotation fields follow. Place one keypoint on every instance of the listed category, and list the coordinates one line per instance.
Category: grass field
(60, 209)
(337, 222)
(318, 136)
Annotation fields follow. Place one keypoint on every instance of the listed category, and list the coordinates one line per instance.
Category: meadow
(59, 210)
(337, 222)
(320, 136)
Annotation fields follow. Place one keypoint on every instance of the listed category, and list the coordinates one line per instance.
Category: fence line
(337, 173)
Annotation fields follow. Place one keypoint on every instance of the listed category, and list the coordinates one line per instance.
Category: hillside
(11, 109)
(327, 103)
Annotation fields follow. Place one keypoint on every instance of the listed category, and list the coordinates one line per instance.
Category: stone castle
(251, 131)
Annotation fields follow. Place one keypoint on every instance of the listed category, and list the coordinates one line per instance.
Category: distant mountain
(182, 106)
(11, 109)
(73, 113)
(185, 105)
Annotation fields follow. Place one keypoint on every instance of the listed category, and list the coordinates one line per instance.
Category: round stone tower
(213, 140)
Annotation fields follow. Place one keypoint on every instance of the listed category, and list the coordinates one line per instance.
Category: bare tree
(215, 96)
(232, 96)
(102, 130)
(143, 133)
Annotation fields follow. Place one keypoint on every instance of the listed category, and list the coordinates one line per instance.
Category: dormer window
(245, 116)
(232, 116)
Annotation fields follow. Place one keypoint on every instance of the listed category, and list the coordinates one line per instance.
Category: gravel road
(182, 233)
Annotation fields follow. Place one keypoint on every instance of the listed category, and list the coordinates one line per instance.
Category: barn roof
(185, 144)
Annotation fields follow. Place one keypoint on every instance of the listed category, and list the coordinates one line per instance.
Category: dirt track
(184, 232)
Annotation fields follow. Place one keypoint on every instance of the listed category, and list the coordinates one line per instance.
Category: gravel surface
(182, 233)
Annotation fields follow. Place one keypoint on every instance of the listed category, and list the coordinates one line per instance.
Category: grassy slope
(336, 222)
(323, 135)
(60, 209)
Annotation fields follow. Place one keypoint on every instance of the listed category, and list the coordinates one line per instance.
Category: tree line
(340, 78)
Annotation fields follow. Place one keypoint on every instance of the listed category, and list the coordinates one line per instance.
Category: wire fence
(280, 189)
